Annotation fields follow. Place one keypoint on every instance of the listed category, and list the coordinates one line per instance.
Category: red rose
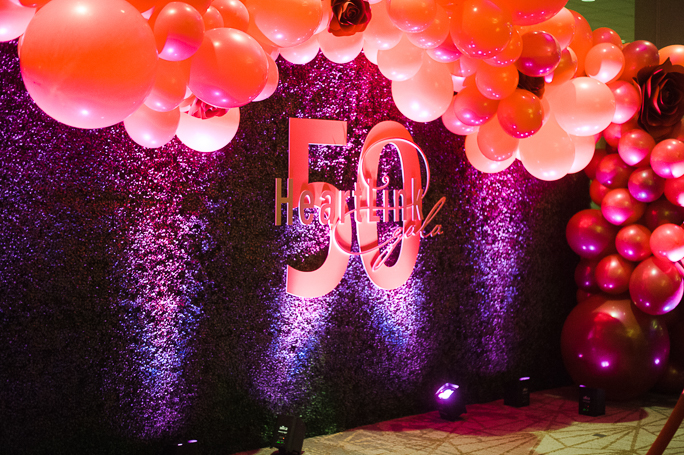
(197, 108)
(662, 98)
(349, 17)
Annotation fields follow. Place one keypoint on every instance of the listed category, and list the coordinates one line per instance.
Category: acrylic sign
(371, 206)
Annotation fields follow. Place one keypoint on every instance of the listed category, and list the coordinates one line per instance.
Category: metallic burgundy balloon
(667, 242)
(633, 242)
(590, 235)
(645, 185)
(620, 208)
(667, 158)
(540, 55)
(613, 172)
(597, 191)
(585, 275)
(638, 54)
(614, 131)
(608, 343)
(635, 147)
(590, 170)
(612, 274)
(582, 295)
(662, 211)
(674, 191)
(656, 286)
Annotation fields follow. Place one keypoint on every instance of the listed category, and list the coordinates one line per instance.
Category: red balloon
(667, 242)
(672, 380)
(644, 185)
(597, 191)
(521, 114)
(667, 158)
(656, 286)
(627, 101)
(613, 172)
(591, 168)
(620, 208)
(590, 235)
(614, 131)
(585, 275)
(635, 147)
(661, 212)
(607, 343)
(633, 242)
(607, 35)
(674, 191)
(638, 54)
(612, 274)
(581, 295)
(540, 55)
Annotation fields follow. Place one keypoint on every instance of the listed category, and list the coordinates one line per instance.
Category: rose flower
(662, 98)
(349, 17)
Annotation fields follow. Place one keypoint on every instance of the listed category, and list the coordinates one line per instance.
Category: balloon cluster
(632, 246)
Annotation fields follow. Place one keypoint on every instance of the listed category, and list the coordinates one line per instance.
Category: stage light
(450, 402)
(592, 402)
(517, 393)
(288, 436)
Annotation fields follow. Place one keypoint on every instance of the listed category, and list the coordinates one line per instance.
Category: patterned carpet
(550, 425)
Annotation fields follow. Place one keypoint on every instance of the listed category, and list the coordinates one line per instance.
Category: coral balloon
(302, 54)
(540, 55)
(635, 147)
(151, 128)
(340, 49)
(667, 158)
(208, 135)
(613, 172)
(674, 52)
(380, 30)
(229, 69)
(645, 185)
(411, 16)
(620, 208)
(496, 83)
(561, 26)
(633, 242)
(585, 275)
(141, 5)
(453, 124)
(549, 154)
(612, 274)
(627, 100)
(597, 191)
(582, 41)
(479, 161)
(590, 235)
(656, 286)
(566, 69)
(13, 20)
(667, 242)
(530, 12)
(473, 108)
(521, 114)
(661, 212)
(401, 62)
(510, 53)
(607, 343)
(427, 95)
(446, 52)
(583, 106)
(604, 62)
(480, 28)
(178, 31)
(435, 34)
(99, 72)
(494, 143)
(674, 191)
(584, 152)
(170, 86)
(212, 19)
(638, 54)
(287, 22)
(233, 12)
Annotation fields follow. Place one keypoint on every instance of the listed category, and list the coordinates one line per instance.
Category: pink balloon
(473, 108)
(661, 212)
(287, 22)
(604, 62)
(612, 274)
(427, 95)
(540, 55)
(635, 147)
(340, 49)
(410, 16)
(633, 242)
(674, 191)
(480, 28)
(208, 135)
(667, 158)
(627, 100)
(170, 85)
(585, 275)
(178, 31)
(302, 54)
(583, 106)
(620, 208)
(584, 152)
(638, 54)
(446, 52)
(667, 242)
(453, 124)
(549, 154)
(590, 235)
(656, 286)
(150, 128)
(13, 20)
(401, 62)
(230, 69)
(271, 82)
(645, 185)
(479, 161)
(521, 114)
(380, 30)
(613, 172)
(494, 143)
(605, 35)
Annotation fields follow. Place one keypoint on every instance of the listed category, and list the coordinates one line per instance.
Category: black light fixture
(450, 402)
(288, 436)
(592, 401)
(185, 447)
(517, 393)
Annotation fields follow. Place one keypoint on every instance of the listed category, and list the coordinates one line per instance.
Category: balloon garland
(521, 79)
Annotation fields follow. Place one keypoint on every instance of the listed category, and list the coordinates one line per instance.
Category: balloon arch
(533, 82)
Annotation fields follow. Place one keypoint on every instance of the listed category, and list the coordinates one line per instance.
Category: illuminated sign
(404, 205)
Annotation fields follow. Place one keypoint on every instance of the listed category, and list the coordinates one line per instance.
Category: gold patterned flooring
(550, 425)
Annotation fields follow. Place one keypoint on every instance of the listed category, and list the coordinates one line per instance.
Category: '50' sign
(404, 205)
